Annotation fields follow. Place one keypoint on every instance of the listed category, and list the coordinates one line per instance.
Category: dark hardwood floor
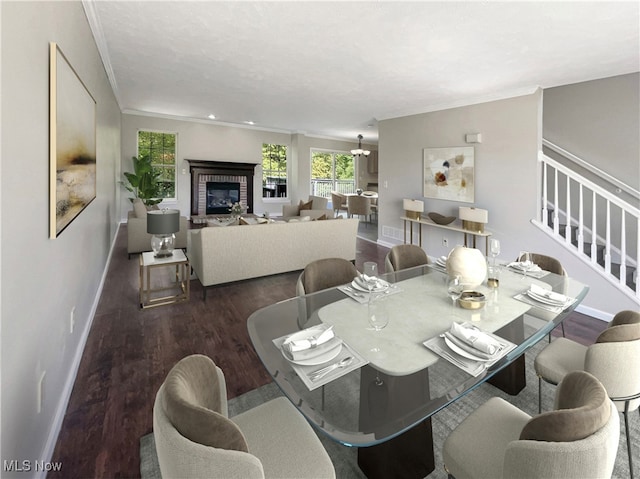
(129, 351)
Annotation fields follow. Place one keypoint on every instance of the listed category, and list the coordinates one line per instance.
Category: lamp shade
(413, 205)
(163, 222)
(473, 219)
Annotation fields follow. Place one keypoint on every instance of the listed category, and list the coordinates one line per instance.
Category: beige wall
(505, 182)
(598, 121)
(208, 141)
(43, 279)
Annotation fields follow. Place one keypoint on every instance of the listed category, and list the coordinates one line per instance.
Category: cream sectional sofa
(232, 253)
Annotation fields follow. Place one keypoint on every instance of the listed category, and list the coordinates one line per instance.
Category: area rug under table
(345, 458)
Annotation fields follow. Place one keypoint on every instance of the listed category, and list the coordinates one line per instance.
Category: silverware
(354, 292)
(320, 373)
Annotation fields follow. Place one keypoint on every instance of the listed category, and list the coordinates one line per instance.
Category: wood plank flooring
(129, 351)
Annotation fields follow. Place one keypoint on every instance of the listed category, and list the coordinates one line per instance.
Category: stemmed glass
(494, 249)
(525, 262)
(454, 291)
(370, 276)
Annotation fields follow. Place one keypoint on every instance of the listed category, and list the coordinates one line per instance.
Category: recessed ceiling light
(212, 117)
(250, 122)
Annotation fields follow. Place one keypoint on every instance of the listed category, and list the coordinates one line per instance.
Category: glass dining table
(384, 407)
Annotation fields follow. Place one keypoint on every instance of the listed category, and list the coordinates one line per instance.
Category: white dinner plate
(544, 299)
(382, 286)
(462, 352)
(316, 360)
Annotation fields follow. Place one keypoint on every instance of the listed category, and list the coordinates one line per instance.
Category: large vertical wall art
(449, 173)
(72, 149)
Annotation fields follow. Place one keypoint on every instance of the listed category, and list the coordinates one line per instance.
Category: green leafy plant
(143, 182)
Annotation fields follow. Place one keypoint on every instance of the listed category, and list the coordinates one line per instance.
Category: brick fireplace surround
(203, 171)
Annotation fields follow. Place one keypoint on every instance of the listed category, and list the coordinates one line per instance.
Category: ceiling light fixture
(212, 117)
(250, 122)
(359, 151)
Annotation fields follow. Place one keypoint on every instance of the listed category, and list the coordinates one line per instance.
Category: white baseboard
(594, 313)
(58, 419)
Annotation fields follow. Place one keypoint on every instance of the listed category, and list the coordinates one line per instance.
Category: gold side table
(181, 288)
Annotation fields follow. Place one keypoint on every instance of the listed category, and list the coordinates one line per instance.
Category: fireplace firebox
(221, 195)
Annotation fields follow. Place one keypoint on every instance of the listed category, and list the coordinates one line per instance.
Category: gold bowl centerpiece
(472, 300)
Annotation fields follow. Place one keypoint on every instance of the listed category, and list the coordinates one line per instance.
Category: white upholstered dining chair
(578, 439)
(614, 359)
(195, 438)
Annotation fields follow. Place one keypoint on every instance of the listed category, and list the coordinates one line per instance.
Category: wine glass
(454, 291)
(525, 262)
(378, 315)
(494, 249)
(370, 275)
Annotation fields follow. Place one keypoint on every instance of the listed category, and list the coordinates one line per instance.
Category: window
(332, 171)
(274, 171)
(161, 147)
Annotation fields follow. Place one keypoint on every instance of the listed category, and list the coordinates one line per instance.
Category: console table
(427, 222)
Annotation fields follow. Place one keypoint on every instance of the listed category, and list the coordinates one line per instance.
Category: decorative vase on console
(468, 263)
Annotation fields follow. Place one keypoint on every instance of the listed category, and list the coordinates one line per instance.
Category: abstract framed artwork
(72, 143)
(449, 173)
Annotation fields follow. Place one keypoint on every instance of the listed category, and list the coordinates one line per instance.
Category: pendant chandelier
(359, 151)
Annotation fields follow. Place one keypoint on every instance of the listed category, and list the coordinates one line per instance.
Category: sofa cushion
(139, 208)
(191, 405)
(583, 408)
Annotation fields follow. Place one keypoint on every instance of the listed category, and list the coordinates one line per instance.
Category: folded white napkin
(545, 293)
(309, 343)
(363, 281)
(476, 338)
(520, 265)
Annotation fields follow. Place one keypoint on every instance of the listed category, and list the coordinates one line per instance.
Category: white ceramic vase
(468, 263)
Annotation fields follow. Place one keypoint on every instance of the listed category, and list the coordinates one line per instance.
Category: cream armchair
(315, 207)
(138, 240)
(195, 437)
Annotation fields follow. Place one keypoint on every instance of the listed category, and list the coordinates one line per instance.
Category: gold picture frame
(72, 143)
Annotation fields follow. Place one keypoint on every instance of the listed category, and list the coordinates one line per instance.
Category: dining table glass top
(401, 382)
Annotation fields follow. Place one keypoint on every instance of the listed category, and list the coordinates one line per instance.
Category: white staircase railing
(592, 222)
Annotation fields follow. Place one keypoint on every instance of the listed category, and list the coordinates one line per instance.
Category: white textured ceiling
(336, 68)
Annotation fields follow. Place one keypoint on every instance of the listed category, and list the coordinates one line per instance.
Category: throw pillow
(320, 218)
(191, 404)
(139, 208)
(305, 206)
(583, 409)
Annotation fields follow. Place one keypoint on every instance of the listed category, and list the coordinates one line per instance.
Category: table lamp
(413, 208)
(162, 224)
(473, 219)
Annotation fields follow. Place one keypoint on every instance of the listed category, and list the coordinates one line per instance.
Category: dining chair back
(359, 205)
(325, 273)
(339, 202)
(195, 438)
(405, 256)
(551, 264)
(578, 439)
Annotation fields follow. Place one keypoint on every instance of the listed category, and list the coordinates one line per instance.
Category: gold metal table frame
(148, 262)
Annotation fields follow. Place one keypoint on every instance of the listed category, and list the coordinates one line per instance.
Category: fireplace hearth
(214, 184)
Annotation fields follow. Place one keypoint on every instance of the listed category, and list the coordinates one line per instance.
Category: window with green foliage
(161, 148)
(332, 171)
(274, 171)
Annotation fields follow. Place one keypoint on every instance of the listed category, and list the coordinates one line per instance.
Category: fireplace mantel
(219, 168)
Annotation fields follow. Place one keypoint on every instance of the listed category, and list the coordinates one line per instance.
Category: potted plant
(143, 182)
